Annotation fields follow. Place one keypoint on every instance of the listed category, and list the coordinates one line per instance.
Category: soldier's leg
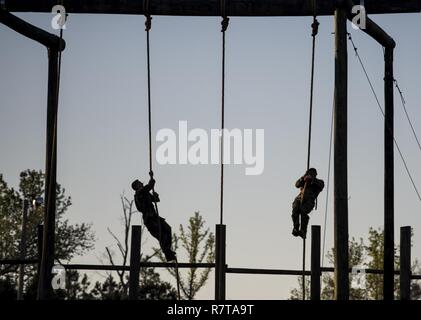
(296, 209)
(306, 208)
(166, 242)
(152, 224)
(304, 223)
(165, 233)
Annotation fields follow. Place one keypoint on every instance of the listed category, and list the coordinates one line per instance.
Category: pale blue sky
(103, 126)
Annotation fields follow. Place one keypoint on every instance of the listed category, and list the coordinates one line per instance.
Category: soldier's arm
(300, 183)
(320, 184)
(149, 186)
(155, 197)
(136, 202)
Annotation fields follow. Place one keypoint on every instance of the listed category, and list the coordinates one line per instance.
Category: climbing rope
(224, 26)
(315, 30)
(148, 26)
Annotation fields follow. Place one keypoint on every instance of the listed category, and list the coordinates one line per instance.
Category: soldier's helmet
(312, 171)
(136, 185)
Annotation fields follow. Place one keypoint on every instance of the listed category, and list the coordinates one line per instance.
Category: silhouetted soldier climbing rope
(304, 203)
(145, 200)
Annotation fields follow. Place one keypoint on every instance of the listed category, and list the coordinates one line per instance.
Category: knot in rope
(315, 27)
(148, 23)
(225, 23)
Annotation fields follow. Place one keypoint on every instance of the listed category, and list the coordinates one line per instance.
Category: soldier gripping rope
(145, 199)
(304, 203)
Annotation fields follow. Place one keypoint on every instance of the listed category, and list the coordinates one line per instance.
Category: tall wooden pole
(405, 264)
(389, 196)
(220, 262)
(315, 263)
(341, 157)
(47, 260)
(135, 263)
(40, 235)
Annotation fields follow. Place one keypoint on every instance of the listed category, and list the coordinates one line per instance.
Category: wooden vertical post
(389, 243)
(315, 263)
(40, 232)
(220, 262)
(47, 261)
(134, 263)
(405, 264)
(341, 156)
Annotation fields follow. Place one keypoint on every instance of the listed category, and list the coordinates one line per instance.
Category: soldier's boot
(304, 223)
(166, 249)
(170, 255)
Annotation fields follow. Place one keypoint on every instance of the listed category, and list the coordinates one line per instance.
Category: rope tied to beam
(148, 21)
(224, 23)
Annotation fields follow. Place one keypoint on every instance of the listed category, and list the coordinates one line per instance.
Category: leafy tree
(108, 290)
(76, 288)
(153, 288)
(71, 239)
(367, 256)
(199, 245)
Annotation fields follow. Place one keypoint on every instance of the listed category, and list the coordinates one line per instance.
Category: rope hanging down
(148, 26)
(224, 27)
(382, 111)
(315, 30)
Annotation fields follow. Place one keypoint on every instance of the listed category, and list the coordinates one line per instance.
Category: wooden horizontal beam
(268, 271)
(189, 265)
(13, 262)
(32, 32)
(142, 265)
(209, 7)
